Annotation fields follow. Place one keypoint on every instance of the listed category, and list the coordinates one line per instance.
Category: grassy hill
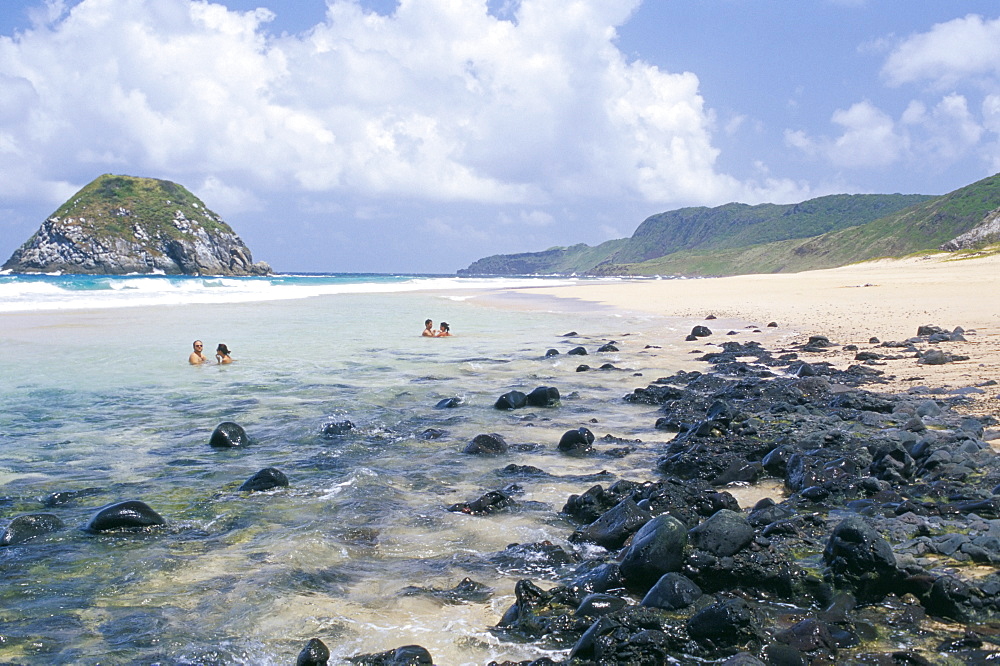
(922, 227)
(702, 230)
(737, 239)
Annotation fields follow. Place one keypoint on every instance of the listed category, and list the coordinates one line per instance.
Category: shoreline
(886, 299)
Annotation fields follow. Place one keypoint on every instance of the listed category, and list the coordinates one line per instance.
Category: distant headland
(124, 224)
(738, 239)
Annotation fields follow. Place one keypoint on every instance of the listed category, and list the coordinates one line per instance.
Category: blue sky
(420, 135)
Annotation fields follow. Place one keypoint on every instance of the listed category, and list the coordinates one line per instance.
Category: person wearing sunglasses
(197, 357)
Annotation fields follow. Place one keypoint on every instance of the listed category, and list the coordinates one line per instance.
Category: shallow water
(103, 401)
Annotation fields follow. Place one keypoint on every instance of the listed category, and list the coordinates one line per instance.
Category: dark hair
(222, 349)
(429, 321)
(444, 326)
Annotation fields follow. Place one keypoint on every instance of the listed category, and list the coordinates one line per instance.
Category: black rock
(490, 502)
(934, 357)
(577, 442)
(448, 403)
(543, 396)
(724, 534)
(229, 435)
(127, 515)
(265, 479)
(657, 548)
(27, 527)
(701, 331)
(598, 604)
(577, 351)
(511, 400)
(860, 560)
(432, 433)
(551, 352)
(315, 653)
(582, 368)
(725, 624)
(337, 429)
(487, 445)
(672, 592)
(607, 348)
(614, 526)
(928, 329)
(408, 655)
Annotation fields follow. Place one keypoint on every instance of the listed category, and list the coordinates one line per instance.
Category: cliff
(123, 224)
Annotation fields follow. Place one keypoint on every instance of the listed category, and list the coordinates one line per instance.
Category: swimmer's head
(444, 326)
(222, 349)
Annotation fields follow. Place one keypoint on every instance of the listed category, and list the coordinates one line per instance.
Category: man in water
(196, 357)
(428, 329)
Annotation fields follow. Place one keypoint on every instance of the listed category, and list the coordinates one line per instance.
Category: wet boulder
(672, 592)
(614, 526)
(725, 624)
(701, 331)
(490, 502)
(657, 548)
(408, 655)
(265, 479)
(448, 403)
(551, 352)
(336, 429)
(543, 396)
(577, 442)
(598, 604)
(315, 653)
(724, 534)
(934, 357)
(27, 527)
(860, 560)
(492, 444)
(577, 351)
(127, 515)
(607, 348)
(228, 435)
(511, 400)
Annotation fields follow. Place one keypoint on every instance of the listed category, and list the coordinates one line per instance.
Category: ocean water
(97, 401)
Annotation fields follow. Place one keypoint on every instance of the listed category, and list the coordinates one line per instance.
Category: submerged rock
(27, 527)
(265, 479)
(228, 435)
(315, 653)
(492, 444)
(408, 655)
(127, 515)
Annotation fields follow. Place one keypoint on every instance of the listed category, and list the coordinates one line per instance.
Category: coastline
(886, 299)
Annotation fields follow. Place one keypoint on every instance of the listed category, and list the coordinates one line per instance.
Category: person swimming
(197, 357)
(222, 354)
(429, 329)
(445, 330)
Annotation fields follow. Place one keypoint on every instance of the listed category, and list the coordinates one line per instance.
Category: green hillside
(922, 227)
(110, 205)
(702, 230)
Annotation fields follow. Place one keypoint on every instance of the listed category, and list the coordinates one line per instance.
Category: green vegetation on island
(768, 238)
(125, 224)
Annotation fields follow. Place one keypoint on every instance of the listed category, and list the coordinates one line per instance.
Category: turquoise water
(97, 398)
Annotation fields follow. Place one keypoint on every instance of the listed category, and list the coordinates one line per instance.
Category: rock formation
(987, 231)
(122, 224)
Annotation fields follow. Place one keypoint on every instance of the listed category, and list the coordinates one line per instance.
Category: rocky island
(124, 224)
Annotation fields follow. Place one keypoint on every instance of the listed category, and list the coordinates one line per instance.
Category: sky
(421, 135)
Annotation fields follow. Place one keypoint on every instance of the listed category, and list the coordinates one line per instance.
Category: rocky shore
(883, 550)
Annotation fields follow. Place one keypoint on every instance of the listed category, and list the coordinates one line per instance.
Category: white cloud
(441, 100)
(959, 50)
(869, 138)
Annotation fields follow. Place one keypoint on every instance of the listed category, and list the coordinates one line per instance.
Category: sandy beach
(886, 299)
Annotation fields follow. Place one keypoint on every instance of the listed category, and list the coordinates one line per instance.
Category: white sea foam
(48, 293)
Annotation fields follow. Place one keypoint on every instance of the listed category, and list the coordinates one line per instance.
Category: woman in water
(445, 330)
(222, 354)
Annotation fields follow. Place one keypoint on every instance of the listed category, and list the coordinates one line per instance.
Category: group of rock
(891, 498)
(891, 501)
